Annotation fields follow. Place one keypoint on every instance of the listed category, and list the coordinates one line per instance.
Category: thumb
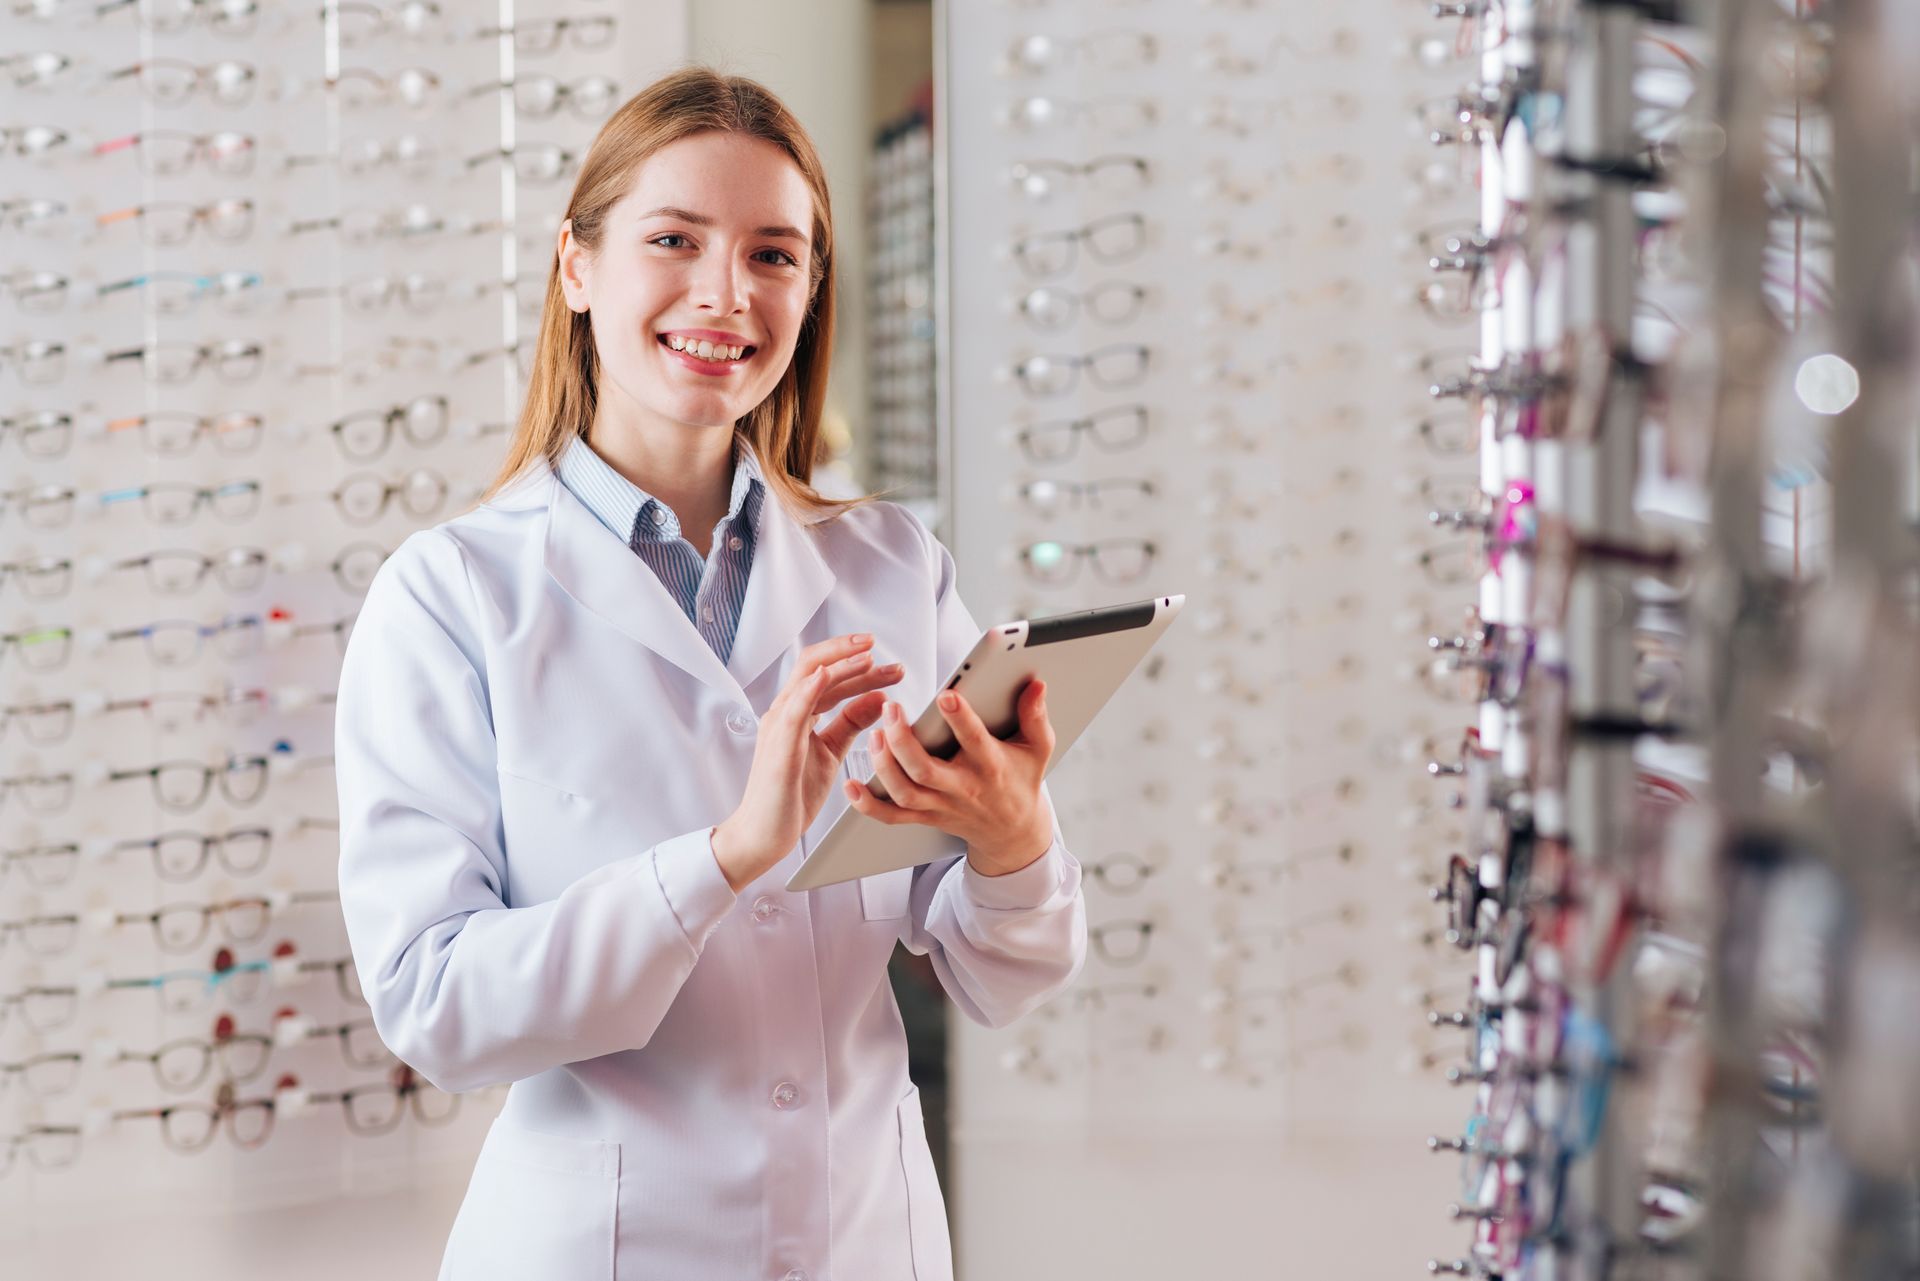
(856, 714)
(1034, 730)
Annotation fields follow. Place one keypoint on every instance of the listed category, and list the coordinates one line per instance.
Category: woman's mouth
(704, 355)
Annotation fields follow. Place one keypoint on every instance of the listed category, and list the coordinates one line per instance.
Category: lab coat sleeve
(468, 991)
(1001, 945)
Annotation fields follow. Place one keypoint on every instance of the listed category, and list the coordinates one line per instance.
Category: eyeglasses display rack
(1187, 341)
(269, 274)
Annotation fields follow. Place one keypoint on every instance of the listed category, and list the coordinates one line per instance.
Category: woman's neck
(688, 468)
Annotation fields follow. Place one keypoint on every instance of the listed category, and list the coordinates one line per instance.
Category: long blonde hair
(784, 429)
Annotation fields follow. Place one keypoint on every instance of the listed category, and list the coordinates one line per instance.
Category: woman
(579, 753)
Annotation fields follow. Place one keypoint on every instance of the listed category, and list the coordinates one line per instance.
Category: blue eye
(671, 235)
(782, 256)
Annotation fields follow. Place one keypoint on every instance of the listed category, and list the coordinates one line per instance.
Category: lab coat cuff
(1027, 888)
(695, 887)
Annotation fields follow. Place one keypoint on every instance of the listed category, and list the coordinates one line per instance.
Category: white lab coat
(532, 743)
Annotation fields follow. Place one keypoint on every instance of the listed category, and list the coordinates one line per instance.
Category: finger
(930, 773)
(832, 673)
(1036, 731)
(863, 800)
(855, 716)
(826, 653)
(968, 728)
(846, 669)
(903, 791)
(831, 650)
(859, 683)
(799, 708)
(834, 666)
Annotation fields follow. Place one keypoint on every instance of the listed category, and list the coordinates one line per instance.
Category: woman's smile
(707, 351)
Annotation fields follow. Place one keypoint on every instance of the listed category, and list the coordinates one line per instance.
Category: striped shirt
(710, 592)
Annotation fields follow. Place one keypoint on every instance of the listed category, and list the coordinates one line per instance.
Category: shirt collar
(617, 502)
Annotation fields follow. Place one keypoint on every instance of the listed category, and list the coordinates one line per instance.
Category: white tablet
(1082, 657)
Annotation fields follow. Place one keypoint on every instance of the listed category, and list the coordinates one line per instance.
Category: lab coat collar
(786, 586)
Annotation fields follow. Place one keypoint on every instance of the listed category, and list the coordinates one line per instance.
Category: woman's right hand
(794, 766)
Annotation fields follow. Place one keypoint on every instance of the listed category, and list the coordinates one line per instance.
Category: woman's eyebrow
(702, 220)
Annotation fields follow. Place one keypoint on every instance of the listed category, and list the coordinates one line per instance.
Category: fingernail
(949, 701)
(861, 638)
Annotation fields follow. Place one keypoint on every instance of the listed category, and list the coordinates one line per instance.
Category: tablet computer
(1083, 658)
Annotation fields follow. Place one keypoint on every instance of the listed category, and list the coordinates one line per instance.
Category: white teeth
(703, 349)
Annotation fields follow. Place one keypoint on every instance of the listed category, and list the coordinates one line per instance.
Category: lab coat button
(786, 1095)
(740, 722)
(764, 907)
(794, 1275)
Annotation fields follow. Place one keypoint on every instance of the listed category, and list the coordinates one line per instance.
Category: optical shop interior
(897, 640)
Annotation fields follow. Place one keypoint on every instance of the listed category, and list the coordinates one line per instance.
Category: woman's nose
(719, 286)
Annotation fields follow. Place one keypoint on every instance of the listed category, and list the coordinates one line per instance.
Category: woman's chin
(703, 411)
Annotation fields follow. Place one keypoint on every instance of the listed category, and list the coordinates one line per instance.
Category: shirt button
(736, 543)
(764, 907)
(659, 517)
(706, 612)
(786, 1095)
(795, 1275)
(740, 722)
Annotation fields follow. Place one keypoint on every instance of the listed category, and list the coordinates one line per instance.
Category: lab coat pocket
(539, 1205)
(926, 1208)
(555, 833)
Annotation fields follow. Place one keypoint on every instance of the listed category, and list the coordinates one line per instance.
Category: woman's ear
(574, 264)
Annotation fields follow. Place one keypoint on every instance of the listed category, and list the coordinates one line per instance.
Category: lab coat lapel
(604, 576)
(785, 588)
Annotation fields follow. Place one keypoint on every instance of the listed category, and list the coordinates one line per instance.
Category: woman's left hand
(988, 794)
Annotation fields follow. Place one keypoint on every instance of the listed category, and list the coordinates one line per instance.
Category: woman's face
(700, 283)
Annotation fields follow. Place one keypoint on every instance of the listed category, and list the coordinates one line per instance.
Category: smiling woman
(586, 732)
(691, 295)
